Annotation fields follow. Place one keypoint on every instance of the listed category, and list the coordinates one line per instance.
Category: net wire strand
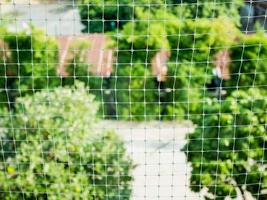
(147, 146)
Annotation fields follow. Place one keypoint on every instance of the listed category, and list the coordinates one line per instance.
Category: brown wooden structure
(98, 57)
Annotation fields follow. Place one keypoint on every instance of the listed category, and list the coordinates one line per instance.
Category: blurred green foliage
(209, 9)
(198, 40)
(192, 46)
(142, 39)
(227, 150)
(51, 149)
(29, 64)
(102, 16)
(248, 66)
(77, 68)
(186, 84)
(136, 94)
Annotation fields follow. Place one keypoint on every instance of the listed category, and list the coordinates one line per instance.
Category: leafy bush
(186, 84)
(227, 150)
(198, 40)
(193, 9)
(140, 40)
(50, 150)
(188, 40)
(77, 67)
(94, 12)
(248, 67)
(30, 64)
(102, 16)
(192, 45)
(136, 94)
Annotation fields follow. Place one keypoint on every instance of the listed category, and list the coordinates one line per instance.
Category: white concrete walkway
(162, 172)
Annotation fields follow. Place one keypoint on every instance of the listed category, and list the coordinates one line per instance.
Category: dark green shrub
(50, 149)
(186, 85)
(102, 16)
(30, 65)
(198, 40)
(192, 45)
(78, 69)
(227, 150)
(193, 9)
(136, 93)
(140, 40)
(192, 40)
(248, 67)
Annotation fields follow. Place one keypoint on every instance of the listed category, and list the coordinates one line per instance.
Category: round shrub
(227, 150)
(51, 149)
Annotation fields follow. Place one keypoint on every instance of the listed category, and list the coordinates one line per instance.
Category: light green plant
(50, 149)
(227, 150)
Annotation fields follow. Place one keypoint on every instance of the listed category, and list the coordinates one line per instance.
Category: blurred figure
(220, 73)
